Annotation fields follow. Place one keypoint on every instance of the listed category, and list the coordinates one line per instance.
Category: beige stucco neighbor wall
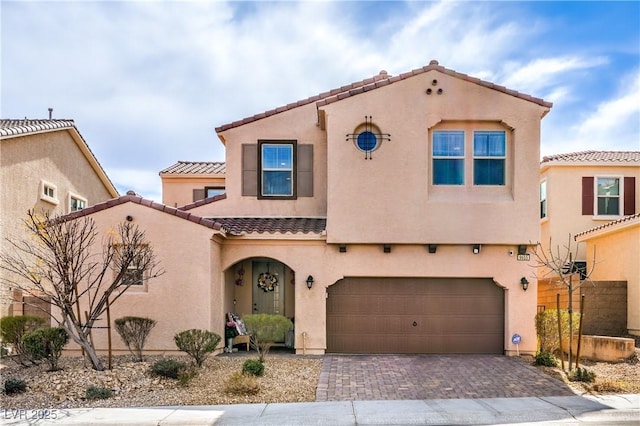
(178, 190)
(618, 258)
(25, 162)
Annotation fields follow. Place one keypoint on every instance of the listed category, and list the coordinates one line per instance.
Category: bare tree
(559, 264)
(58, 261)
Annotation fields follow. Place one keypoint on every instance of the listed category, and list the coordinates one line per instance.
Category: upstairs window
(133, 277)
(48, 192)
(276, 169)
(212, 191)
(448, 157)
(608, 196)
(76, 203)
(543, 199)
(489, 156)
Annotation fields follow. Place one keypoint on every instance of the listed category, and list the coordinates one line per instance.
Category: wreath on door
(267, 281)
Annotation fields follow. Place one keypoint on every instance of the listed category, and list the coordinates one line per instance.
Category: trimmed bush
(46, 343)
(546, 359)
(547, 329)
(582, 375)
(197, 344)
(265, 330)
(186, 374)
(168, 368)
(96, 392)
(13, 385)
(134, 332)
(255, 367)
(242, 384)
(13, 329)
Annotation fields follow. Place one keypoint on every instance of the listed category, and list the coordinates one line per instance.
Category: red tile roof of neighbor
(272, 225)
(196, 167)
(625, 219)
(594, 157)
(203, 202)
(380, 80)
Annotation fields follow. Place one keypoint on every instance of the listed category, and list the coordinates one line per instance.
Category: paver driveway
(383, 377)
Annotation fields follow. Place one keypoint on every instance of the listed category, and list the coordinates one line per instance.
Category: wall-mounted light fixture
(432, 248)
(342, 248)
(386, 248)
(129, 218)
(522, 249)
(309, 282)
(476, 248)
(524, 283)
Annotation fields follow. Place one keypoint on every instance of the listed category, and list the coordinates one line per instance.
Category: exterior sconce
(342, 248)
(522, 249)
(524, 283)
(129, 218)
(432, 248)
(386, 248)
(309, 282)
(476, 248)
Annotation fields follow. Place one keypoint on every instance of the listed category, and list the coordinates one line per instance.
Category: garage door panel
(415, 315)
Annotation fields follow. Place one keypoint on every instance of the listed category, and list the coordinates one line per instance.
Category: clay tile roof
(132, 197)
(196, 167)
(380, 80)
(26, 126)
(595, 157)
(611, 224)
(271, 225)
(203, 202)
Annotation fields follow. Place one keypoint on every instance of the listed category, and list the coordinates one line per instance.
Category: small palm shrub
(13, 385)
(168, 368)
(198, 344)
(46, 343)
(242, 384)
(96, 392)
(582, 375)
(545, 358)
(134, 332)
(255, 367)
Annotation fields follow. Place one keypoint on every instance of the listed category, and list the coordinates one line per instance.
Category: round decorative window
(367, 141)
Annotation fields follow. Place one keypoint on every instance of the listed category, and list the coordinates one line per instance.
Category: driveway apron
(396, 377)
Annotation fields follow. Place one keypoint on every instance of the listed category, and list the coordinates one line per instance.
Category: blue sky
(147, 82)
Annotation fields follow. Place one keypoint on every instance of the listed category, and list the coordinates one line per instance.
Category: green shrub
(12, 329)
(242, 384)
(255, 367)
(168, 368)
(134, 332)
(547, 329)
(197, 343)
(546, 359)
(13, 385)
(46, 343)
(186, 374)
(96, 392)
(582, 375)
(265, 330)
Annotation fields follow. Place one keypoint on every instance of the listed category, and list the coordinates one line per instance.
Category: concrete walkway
(604, 410)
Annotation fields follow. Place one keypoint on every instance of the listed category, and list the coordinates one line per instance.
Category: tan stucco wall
(24, 162)
(618, 258)
(178, 190)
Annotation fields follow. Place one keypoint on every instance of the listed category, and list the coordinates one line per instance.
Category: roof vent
(131, 192)
(50, 113)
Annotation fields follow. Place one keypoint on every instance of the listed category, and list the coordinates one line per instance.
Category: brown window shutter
(250, 169)
(587, 195)
(198, 194)
(305, 170)
(629, 195)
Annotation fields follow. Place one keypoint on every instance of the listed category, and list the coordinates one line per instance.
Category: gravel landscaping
(287, 378)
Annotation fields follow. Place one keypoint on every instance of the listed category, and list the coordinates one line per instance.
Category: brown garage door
(415, 315)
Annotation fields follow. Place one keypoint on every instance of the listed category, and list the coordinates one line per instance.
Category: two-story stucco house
(590, 199)
(45, 165)
(385, 216)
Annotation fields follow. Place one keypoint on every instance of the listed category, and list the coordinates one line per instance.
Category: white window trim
(268, 169)
(620, 214)
(546, 199)
(44, 197)
(485, 157)
(77, 197)
(462, 157)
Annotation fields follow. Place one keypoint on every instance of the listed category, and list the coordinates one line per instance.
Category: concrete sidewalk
(606, 409)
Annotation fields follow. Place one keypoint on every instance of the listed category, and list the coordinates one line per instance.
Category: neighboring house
(582, 191)
(617, 245)
(45, 165)
(189, 181)
(383, 217)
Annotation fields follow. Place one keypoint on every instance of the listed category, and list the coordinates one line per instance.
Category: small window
(277, 169)
(48, 192)
(448, 158)
(133, 277)
(212, 191)
(367, 141)
(76, 202)
(543, 199)
(489, 155)
(608, 196)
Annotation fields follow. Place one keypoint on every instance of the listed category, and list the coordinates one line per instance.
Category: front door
(268, 287)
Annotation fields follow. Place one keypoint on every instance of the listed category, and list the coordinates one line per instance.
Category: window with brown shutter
(629, 195)
(587, 195)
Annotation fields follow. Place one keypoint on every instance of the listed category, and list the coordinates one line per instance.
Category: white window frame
(544, 200)
(44, 196)
(620, 197)
(462, 157)
(73, 196)
(502, 158)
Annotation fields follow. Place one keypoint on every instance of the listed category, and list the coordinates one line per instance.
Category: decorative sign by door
(516, 339)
